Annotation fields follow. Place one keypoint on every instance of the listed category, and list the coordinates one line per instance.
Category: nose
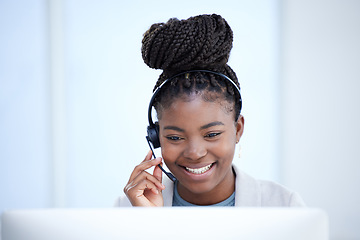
(195, 150)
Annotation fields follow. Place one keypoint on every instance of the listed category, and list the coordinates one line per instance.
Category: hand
(144, 189)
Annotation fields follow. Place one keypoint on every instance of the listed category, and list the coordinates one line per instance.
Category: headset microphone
(162, 169)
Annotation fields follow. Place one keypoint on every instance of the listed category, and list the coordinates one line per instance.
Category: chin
(197, 187)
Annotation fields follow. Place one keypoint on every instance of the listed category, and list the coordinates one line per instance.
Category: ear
(239, 128)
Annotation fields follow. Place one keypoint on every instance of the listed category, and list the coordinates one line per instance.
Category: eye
(212, 135)
(173, 138)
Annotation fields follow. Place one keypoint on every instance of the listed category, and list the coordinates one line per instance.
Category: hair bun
(200, 42)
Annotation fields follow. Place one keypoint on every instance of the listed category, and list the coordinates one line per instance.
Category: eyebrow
(174, 128)
(212, 124)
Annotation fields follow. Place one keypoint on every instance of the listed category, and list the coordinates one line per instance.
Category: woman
(198, 107)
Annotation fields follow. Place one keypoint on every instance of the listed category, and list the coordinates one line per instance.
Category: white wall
(107, 108)
(25, 169)
(80, 126)
(81, 156)
(321, 108)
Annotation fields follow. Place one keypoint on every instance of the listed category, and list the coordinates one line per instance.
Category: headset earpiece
(153, 135)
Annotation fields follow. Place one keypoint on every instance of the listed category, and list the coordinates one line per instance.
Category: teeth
(199, 170)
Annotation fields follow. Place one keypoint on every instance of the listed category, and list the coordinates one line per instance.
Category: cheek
(169, 153)
(225, 149)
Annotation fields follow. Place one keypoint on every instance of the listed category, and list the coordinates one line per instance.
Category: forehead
(196, 111)
(175, 100)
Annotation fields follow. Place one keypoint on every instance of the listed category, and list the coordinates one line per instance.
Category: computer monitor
(170, 223)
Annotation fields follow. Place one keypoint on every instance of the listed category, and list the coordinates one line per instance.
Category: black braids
(201, 42)
(154, 43)
(203, 46)
(215, 40)
(145, 47)
(182, 47)
(148, 41)
(167, 39)
(161, 79)
(176, 46)
(221, 45)
(169, 59)
(187, 83)
(210, 86)
(199, 80)
(191, 49)
(230, 72)
(224, 43)
(174, 82)
(178, 36)
(207, 48)
(213, 80)
(208, 32)
(158, 46)
(230, 88)
(153, 47)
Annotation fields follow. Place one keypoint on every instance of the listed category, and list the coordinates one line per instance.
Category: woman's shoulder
(275, 194)
(263, 193)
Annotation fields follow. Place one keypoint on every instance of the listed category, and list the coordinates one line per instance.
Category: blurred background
(74, 93)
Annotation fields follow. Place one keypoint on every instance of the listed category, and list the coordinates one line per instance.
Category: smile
(199, 170)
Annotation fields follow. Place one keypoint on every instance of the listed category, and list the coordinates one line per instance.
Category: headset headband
(183, 73)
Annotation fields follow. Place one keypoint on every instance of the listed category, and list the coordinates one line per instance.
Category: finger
(148, 156)
(147, 176)
(142, 191)
(158, 172)
(146, 164)
(137, 189)
(145, 190)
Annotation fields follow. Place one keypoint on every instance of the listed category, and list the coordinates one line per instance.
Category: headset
(153, 128)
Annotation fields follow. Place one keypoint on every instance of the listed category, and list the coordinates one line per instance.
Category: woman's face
(198, 142)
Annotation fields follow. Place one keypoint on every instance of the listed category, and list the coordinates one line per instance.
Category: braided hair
(202, 42)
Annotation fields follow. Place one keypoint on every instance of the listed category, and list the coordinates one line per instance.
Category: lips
(199, 170)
